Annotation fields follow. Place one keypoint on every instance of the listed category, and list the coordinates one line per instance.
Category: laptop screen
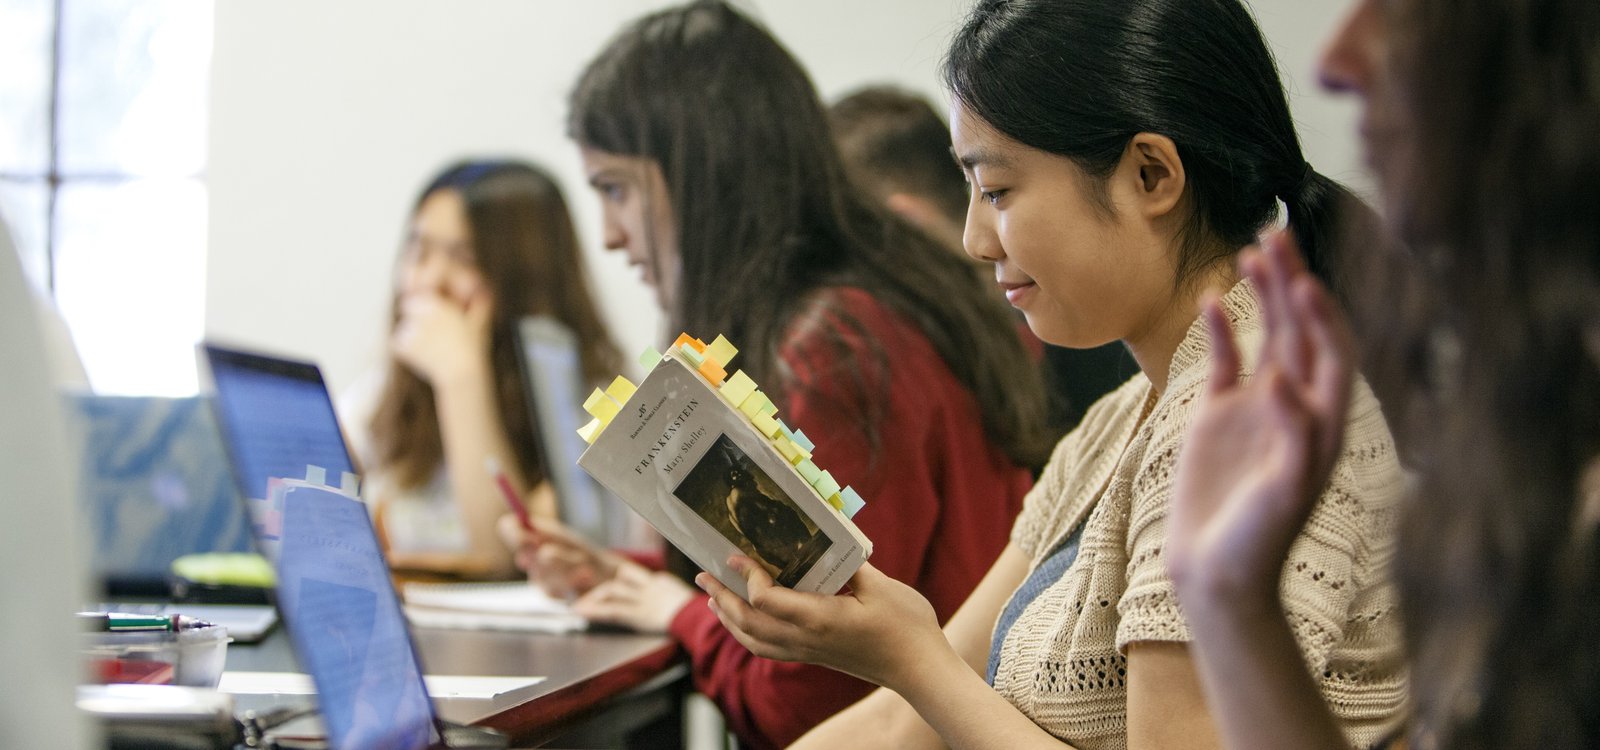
(276, 418)
(349, 631)
(553, 373)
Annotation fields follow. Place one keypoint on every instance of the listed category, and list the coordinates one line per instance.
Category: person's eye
(993, 196)
(611, 191)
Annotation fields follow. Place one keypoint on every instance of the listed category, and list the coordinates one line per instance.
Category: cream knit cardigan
(1063, 661)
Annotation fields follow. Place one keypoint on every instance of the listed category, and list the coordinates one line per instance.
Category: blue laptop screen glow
(349, 632)
(276, 422)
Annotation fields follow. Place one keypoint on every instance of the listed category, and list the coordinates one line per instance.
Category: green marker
(122, 622)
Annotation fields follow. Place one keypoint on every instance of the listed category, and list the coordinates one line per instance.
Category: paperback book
(705, 459)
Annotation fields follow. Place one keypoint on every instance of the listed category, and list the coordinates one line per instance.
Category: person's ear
(1151, 175)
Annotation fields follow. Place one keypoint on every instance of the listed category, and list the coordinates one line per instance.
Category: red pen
(508, 492)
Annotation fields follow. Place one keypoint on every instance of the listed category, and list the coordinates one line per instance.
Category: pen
(122, 622)
(508, 492)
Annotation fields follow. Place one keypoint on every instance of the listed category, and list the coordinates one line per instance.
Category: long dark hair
(528, 253)
(1493, 177)
(766, 217)
(1080, 78)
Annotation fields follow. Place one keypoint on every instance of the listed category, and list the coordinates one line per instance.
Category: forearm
(1257, 686)
(471, 432)
(964, 710)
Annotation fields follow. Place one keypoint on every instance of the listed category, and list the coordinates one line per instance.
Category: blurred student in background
(718, 177)
(487, 243)
(1482, 335)
(1121, 156)
(897, 148)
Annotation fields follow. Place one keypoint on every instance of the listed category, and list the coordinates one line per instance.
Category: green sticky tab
(809, 472)
(852, 502)
(826, 485)
(694, 358)
(649, 358)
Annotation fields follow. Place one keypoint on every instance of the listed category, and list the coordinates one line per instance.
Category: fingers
(1224, 352)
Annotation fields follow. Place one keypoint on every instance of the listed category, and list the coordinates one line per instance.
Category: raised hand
(878, 630)
(1258, 454)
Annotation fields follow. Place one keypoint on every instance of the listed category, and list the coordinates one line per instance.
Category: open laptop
(155, 484)
(553, 374)
(334, 589)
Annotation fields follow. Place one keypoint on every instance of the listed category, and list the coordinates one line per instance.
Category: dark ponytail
(1080, 78)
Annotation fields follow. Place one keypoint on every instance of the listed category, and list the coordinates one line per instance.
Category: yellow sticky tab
(738, 388)
(786, 448)
(770, 409)
(765, 424)
(621, 389)
(590, 431)
(752, 404)
(713, 371)
(836, 501)
(601, 406)
(721, 350)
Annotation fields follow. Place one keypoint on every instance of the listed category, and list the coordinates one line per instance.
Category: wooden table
(600, 689)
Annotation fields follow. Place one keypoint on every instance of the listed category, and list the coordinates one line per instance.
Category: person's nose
(1349, 61)
(978, 238)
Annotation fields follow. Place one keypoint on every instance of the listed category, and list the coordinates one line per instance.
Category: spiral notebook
(514, 606)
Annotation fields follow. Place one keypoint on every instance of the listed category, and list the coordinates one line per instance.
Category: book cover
(705, 460)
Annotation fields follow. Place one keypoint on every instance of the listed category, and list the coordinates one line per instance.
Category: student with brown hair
(487, 243)
(718, 177)
(1481, 332)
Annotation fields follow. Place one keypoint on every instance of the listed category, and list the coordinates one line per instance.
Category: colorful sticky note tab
(767, 408)
(738, 388)
(800, 438)
(752, 404)
(852, 502)
(787, 448)
(836, 501)
(696, 344)
(590, 431)
(713, 371)
(826, 485)
(691, 355)
(649, 358)
(765, 424)
(621, 389)
(721, 350)
(601, 406)
(809, 472)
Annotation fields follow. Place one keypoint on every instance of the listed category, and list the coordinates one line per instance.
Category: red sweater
(940, 503)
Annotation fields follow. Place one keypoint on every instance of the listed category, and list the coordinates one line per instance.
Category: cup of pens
(153, 649)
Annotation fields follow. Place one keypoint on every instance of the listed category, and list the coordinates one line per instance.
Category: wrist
(927, 672)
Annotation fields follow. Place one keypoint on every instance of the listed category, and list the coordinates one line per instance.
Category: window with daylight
(102, 167)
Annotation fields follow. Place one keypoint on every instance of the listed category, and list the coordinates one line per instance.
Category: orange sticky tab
(713, 371)
(684, 338)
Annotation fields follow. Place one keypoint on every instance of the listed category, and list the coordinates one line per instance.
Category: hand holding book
(705, 459)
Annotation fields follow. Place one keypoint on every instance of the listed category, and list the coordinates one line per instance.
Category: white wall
(327, 117)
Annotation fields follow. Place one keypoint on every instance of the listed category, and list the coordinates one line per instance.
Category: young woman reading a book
(1480, 124)
(487, 243)
(1120, 156)
(718, 177)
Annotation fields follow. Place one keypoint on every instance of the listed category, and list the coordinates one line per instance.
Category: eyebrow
(605, 173)
(970, 160)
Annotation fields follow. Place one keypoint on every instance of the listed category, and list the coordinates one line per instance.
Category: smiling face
(1084, 274)
(439, 256)
(636, 214)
